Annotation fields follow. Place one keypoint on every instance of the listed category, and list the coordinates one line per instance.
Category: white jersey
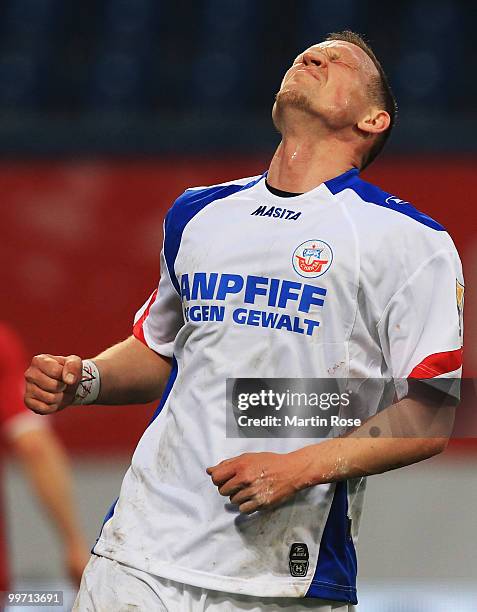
(342, 281)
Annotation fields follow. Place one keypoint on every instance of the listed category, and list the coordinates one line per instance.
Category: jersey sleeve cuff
(165, 349)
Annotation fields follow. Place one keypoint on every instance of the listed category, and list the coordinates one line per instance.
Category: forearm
(345, 458)
(405, 433)
(46, 466)
(131, 373)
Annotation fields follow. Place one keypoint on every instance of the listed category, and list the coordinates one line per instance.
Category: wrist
(320, 463)
(88, 389)
(304, 468)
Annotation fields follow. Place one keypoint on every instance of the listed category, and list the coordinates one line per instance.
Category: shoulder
(241, 182)
(395, 238)
(383, 205)
(195, 198)
(385, 221)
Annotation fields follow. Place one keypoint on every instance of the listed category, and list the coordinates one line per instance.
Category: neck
(300, 164)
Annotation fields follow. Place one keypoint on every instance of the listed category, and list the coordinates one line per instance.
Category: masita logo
(312, 258)
(276, 212)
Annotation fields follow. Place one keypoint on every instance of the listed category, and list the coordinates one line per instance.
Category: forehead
(349, 50)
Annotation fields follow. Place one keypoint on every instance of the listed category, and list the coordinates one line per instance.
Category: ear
(375, 122)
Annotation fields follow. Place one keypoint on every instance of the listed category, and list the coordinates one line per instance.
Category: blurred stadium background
(108, 110)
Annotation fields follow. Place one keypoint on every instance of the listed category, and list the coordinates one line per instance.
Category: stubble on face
(291, 100)
(294, 99)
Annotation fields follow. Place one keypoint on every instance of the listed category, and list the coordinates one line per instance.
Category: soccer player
(29, 438)
(306, 271)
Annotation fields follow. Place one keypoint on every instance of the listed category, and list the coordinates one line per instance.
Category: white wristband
(89, 386)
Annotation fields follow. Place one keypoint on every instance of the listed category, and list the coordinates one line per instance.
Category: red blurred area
(80, 249)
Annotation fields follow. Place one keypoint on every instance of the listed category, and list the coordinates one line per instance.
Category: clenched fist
(51, 382)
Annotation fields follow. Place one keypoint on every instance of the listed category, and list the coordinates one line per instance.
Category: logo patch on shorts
(312, 258)
(298, 559)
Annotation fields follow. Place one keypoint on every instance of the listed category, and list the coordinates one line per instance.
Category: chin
(291, 98)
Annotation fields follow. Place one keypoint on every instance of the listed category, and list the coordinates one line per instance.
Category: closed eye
(338, 60)
(336, 57)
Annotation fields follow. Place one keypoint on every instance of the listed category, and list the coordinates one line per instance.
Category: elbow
(435, 446)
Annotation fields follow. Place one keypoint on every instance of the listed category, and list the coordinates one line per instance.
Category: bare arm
(130, 373)
(407, 432)
(45, 464)
(256, 481)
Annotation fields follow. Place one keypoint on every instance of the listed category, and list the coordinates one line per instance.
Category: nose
(314, 58)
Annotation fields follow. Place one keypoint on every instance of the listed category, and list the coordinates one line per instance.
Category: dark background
(145, 77)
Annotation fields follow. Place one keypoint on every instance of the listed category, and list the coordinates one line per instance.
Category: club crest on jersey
(312, 258)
